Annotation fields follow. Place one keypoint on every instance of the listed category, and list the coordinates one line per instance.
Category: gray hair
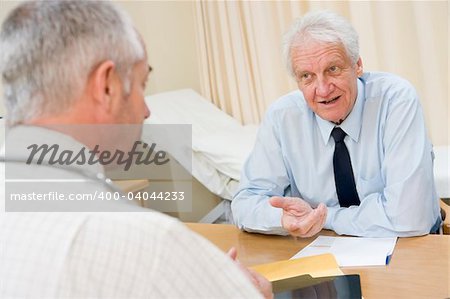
(321, 26)
(49, 48)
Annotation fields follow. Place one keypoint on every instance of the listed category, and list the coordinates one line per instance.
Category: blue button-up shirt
(391, 157)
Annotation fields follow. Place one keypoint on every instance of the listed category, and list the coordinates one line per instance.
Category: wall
(168, 31)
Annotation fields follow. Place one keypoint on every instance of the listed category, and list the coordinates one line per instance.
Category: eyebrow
(335, 62)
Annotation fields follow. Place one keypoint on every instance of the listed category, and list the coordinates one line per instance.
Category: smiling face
(327, 78)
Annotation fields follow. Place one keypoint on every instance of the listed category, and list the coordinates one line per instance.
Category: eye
(305, 77)
(334, 69)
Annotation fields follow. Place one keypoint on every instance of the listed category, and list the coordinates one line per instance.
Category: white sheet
(220, 144)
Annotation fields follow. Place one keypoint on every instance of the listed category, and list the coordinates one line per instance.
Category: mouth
(333, 100)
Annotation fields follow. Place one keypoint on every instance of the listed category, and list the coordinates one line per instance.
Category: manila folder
(316, 266)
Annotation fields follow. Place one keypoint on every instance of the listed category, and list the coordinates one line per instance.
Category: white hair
(49, 48)
(320, 26)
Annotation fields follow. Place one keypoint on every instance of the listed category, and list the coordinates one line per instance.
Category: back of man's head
(49, 49)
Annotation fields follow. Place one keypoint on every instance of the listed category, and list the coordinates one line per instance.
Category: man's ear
(104, 82)
(359, 67)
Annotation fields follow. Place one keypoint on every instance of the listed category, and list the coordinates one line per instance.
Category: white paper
(352, 251)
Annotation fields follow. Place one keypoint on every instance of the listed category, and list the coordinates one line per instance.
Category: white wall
(168, 30)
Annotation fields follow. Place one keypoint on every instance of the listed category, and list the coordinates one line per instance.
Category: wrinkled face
(327, 78)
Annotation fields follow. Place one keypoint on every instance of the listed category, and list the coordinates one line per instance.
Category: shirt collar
(351, 125)
(20, 137)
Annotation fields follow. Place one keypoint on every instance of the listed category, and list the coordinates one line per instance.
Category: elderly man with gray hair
(66, 63)
(348, 152)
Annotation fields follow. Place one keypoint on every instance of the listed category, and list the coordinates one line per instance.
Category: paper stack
(352, 251)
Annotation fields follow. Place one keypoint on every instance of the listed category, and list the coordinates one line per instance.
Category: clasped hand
(299, 218)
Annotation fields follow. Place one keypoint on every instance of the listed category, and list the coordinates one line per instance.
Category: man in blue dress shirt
(288, 182)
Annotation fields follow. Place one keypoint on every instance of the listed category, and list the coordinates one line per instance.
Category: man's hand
(260, 282)
(299, 218)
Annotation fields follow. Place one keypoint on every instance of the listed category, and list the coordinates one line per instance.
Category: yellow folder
(316, 266)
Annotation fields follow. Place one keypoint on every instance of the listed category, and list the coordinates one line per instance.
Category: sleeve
(189, 266)
(407, 204)
(264, 175)
(148, 255)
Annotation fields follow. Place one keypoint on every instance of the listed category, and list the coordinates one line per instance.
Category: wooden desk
(419, 267)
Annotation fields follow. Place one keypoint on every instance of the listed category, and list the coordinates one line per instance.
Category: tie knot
(338, 134)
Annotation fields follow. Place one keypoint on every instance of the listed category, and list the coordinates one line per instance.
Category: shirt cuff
(270, 225)
(274, 224)
(330, 217)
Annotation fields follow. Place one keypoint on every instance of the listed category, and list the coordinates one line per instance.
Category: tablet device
(305, 286)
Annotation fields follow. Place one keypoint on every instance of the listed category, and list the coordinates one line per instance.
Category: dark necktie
(343, 173)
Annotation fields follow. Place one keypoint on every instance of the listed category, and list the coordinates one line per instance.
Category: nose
(147, 111)
(324, 87)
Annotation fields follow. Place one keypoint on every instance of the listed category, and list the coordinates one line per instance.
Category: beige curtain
(242, 70)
